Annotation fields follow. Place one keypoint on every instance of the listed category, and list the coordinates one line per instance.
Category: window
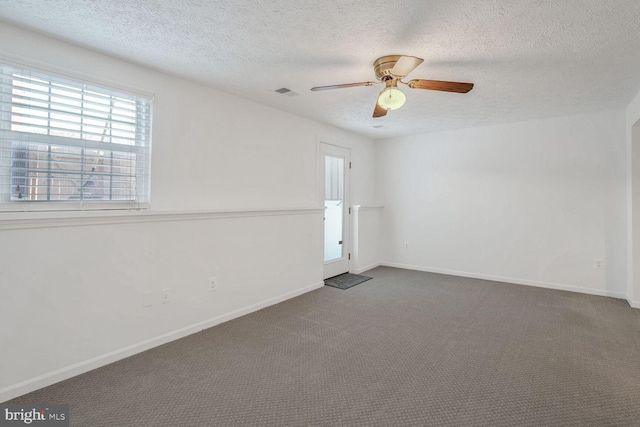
(69, 145)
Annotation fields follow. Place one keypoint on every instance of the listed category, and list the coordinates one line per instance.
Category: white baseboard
(634, 304)
(549, 285)
(50, 378)
(363, 269)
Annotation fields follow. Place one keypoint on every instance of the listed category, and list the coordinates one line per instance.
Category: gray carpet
(346, 280)
(408, 349)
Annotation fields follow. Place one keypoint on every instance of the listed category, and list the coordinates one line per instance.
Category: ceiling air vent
(285, 91)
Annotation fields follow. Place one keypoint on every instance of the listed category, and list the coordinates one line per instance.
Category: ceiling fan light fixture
(391, 98)
(389, 71)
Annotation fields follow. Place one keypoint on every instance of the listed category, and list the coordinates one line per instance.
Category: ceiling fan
(390, 70)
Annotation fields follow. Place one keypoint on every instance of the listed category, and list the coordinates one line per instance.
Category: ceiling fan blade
(344, 85)
(405, 65)
(440, 85)
(379, 111)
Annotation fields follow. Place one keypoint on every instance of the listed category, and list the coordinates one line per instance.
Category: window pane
(68, 139)
(59, 173)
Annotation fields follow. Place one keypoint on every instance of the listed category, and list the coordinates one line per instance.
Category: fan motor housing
(383, 66)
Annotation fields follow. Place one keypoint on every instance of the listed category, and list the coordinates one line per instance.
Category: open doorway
(335, 164)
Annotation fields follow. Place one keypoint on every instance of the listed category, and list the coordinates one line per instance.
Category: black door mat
(346, 280)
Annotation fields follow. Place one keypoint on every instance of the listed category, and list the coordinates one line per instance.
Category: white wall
(632, 129)
(532, 203)
(367, 225)
(72, 290)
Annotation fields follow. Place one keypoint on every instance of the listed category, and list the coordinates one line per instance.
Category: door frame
(343, 264)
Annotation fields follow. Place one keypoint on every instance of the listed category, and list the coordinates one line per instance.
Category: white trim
(549, 285)
(355, 235)
(634, 304)
(62, 374)
(366, 268)
(319, 202)
(28, 220)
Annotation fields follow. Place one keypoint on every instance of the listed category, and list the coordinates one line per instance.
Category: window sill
(29, 220)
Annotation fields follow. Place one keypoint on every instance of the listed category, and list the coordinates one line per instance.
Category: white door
(335, 165)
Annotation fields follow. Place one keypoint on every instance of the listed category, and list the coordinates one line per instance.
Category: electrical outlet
(147, 299)
(166, 297)
(212, 284)
(598, 264)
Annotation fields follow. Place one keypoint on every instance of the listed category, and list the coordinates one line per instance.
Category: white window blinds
(70, 145)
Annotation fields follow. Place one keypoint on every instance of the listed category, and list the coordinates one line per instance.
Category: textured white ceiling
(528, 58)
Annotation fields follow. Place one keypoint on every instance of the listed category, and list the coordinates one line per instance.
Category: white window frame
(139, 146)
